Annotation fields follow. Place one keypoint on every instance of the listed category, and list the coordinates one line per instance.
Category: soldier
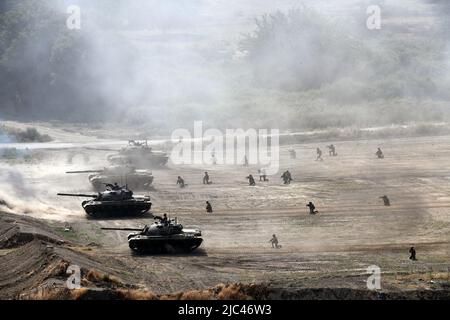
(379, 154)
(386, 201)
(319, 154)
(251, 180)
(274, 242)
(180, 182)
(163, 220)
(206, 178)
(208, 207)
(312, 208)
(286, 176)
(283, 176)
(116, 186)
(262, 175)
(109, 186)
(412, 251)
(332, 150)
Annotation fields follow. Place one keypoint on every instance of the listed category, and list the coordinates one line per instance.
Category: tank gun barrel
(85, 171)
(122, 229)
(100, 149)
(77, 195)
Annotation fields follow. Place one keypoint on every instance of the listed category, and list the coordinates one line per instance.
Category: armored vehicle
(134, 179)
(162, 236)
(140, 155)
(114, 202)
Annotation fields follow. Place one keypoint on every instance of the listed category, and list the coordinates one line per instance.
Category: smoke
(18, 196)
(16, 182)
(164, 64)
(32, 190)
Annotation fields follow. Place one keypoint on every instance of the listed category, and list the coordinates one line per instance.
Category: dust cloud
(162, 65)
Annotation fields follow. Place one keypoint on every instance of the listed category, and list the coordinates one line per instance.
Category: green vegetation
(298, 69)
(68, 235)
(40, 63)
(78, 236)
(324, 74)
(27, 135)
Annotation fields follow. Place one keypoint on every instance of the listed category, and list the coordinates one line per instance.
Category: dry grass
(136, 295)
(232, 292)
(96, 276)
(56, 294)
(172, 296)
(57, 269)
(45, 294)
(189, 295)
(197, 295)
(77, 294)
(220, 292)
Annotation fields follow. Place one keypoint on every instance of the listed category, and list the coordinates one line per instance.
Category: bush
(27, 135)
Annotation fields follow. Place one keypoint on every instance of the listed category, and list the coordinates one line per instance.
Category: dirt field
(332, 249)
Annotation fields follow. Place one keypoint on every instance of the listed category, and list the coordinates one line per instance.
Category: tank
(113, 202)
(163, 236)
(140, 155)
(133, 178)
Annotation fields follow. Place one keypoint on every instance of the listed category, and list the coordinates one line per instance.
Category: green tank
(114, 202)
(163, 236)
(139, 155)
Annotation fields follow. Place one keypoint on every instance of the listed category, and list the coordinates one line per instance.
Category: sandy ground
(352, 231)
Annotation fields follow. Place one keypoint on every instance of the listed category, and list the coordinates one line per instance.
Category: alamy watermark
(74, 280)
(373, 21)
(234, 147)
(374, 280)
(73, 22)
